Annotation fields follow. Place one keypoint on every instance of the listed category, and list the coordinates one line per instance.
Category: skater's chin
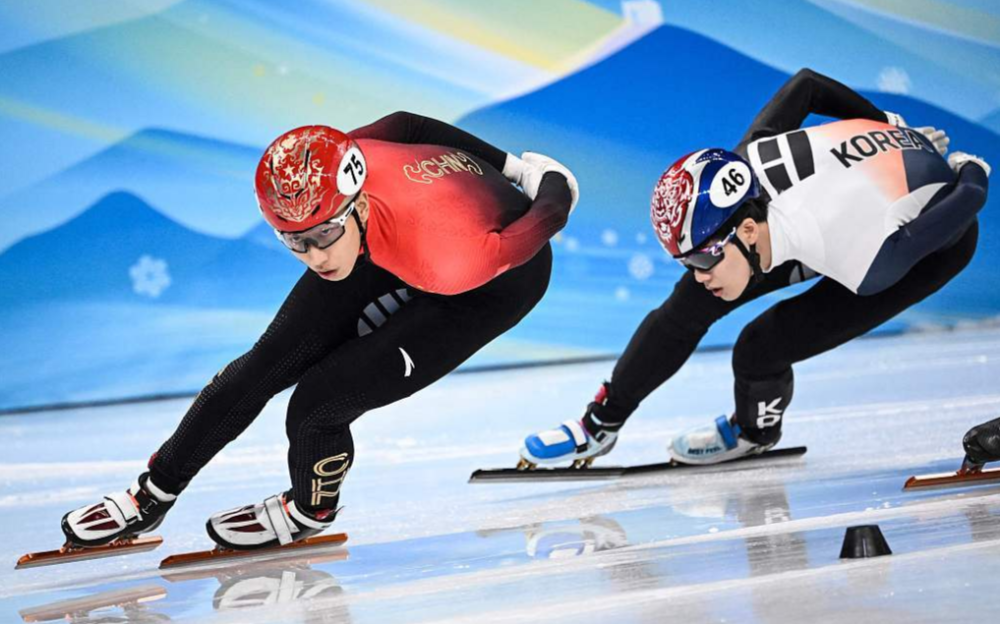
(333, 275)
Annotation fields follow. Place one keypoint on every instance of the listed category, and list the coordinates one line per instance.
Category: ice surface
(753, 543)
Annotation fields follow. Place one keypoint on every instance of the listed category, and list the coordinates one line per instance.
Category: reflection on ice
(754, 544)
(119, 606)
(244, 590)
(586, 536)
(240, 587)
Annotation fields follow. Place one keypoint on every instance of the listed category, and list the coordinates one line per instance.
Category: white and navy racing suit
(861, 201)
(870, 207)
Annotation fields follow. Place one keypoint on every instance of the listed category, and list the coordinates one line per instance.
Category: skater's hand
(513, 169)
(938, 138)
(535, 168)
(895, 119)
(957, 160)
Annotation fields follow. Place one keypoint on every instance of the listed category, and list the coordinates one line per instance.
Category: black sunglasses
(706, 258)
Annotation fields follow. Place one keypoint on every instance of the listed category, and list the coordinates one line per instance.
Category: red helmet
(307, 175)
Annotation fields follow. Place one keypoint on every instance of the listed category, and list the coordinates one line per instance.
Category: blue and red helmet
(697, 196)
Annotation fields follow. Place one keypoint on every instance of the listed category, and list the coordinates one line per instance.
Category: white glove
(957, 160)
(895, 119)
(938, 138)
(536, 166)
(513, 169)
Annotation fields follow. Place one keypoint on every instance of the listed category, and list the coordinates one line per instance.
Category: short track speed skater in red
(574, 311)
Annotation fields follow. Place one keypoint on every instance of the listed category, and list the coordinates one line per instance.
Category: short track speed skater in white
(874, 210)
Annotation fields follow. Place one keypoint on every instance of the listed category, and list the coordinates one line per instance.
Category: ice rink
(750, 543)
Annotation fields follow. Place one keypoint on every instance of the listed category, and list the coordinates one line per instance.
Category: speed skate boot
(122, 515)
(274, 522)
(721, 441)
(577, 441)
(982, 445)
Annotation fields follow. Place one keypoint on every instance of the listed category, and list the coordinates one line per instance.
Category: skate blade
(67, 554)
(595, 473)
(578, 464)
(221, 569)
(78, 609)
(953, 479)
(295, 549)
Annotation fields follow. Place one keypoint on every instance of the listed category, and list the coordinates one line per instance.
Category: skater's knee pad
(754, 352)
(323, 406)
(332, 394)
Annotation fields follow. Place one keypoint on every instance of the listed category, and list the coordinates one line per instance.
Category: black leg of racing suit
(824, 317)
(314, 342)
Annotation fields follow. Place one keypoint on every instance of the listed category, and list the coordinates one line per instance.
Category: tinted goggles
(319, 236)
(707, 258)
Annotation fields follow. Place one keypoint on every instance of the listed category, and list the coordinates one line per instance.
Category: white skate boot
(569, 442)
(573, 441)
(716, 443)
(276, 521)
(118, 516)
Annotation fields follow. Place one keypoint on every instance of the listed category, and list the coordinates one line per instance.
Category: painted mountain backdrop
(132, 257)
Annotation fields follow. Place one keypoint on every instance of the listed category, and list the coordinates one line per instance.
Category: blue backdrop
(132, 257)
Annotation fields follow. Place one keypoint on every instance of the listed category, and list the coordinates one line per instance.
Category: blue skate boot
(719, 442)
(577, 441)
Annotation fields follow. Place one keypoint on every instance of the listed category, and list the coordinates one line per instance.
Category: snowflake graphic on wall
(641, 267)
(894, 80)
(149, 276)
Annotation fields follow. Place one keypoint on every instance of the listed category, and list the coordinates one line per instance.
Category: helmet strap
(364, 238)
(753, 258)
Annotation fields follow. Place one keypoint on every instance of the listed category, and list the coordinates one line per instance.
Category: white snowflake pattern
(642, 12)
(640, 267)
(894, 80)
(149, 276)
